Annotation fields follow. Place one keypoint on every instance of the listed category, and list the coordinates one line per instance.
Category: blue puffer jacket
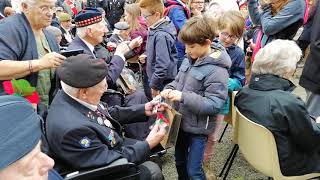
(283, 25)
(204, 90)
(162, 54)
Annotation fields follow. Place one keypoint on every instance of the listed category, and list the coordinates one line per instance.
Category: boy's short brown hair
(197, 30)
(233, 21)
(152, 6)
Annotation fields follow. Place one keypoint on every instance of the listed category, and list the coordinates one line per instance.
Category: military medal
(100, 121)
(112, 139)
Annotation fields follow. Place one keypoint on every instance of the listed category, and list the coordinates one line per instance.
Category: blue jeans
(189, 155)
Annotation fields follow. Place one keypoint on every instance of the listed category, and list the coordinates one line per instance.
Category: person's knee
(154, 170)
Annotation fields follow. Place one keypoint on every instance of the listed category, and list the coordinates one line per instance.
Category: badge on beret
(85, 142)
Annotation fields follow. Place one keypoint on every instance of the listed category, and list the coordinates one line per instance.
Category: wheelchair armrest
(116, 167)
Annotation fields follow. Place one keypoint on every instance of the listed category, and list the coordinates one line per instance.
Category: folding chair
(258, 146)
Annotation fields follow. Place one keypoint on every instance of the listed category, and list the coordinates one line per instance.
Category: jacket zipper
(207, 124)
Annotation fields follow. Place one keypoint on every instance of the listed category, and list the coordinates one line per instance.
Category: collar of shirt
(90, 46)
(156, 24)
(87, 105)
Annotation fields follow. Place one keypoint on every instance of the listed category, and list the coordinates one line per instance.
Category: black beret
(121, 26)
(87, 17)
(82, 71)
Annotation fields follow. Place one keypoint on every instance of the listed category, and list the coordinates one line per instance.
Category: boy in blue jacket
(160, 48)
(231, 27)
(199, 91)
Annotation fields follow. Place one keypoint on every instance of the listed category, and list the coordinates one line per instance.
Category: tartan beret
(87, 17)
(82, 71)
(20, 129)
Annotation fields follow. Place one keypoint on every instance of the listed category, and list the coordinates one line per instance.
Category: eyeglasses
(147, 16)
(226, 35)
(46, 9)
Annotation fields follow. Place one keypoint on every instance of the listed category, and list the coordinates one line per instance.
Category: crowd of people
(80, 82)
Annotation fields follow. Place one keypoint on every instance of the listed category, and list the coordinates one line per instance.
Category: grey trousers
(150, 171)
(313, 103)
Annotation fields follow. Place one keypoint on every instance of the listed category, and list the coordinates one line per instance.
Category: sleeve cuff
(120, 55)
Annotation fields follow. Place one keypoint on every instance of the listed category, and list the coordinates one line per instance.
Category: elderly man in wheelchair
(83, 133)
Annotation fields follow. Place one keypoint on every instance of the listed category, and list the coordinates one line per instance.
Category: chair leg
(231, 162)
(228, 159)
(224, 130)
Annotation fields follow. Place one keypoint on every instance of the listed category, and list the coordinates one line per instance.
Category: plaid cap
(20, 129)
(87, 17)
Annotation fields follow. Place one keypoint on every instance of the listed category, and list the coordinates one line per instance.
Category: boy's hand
(175, 95)
(154, 92)
(165, 93)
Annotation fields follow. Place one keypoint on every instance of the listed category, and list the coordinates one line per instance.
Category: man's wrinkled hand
(122, 48)
(156, 135)
(160, 107)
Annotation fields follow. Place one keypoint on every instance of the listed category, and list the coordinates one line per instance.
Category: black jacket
(310, 78)
(77, 140)
(268, 101)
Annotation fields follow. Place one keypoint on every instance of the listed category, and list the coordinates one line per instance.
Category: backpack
(173, 4)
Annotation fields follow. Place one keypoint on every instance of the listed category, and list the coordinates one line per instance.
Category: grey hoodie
(204, 90)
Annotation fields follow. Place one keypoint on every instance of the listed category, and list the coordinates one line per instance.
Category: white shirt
(67, 35)
(89, 106)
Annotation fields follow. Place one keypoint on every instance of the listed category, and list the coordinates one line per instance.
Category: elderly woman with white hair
(27, 50)
(268, 101)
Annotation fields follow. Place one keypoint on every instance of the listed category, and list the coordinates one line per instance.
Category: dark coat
(310, 78)
(161, 54)
(64, 41)
(114, 67)
(238, 66)
(204, 90)
(77, 140)
(268, 101)
(17, 42)
(114, 10)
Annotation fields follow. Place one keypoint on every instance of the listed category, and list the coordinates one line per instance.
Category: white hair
(17, 4)
(54, 30)
(69, 89)
(279, 57)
